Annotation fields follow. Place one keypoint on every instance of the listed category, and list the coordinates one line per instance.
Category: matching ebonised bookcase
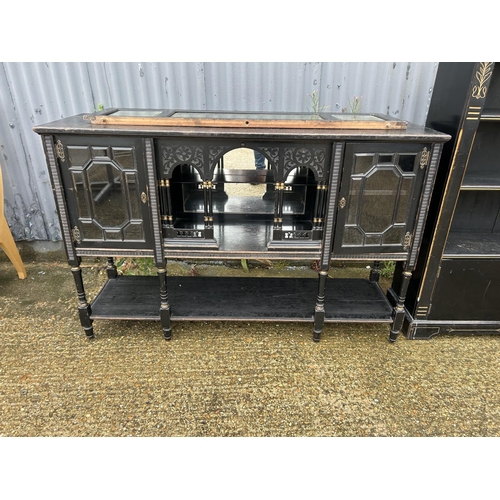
(455, 288)
(338, 187)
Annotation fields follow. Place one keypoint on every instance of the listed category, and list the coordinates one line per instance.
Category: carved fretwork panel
(272, 153)
(215, 153)
(313, 157)
(181, 154)
(284, 157)
(205, 155)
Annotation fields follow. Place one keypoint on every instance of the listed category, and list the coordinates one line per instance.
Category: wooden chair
(7, 243)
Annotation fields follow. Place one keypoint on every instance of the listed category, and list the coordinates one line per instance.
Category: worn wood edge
(221, 123)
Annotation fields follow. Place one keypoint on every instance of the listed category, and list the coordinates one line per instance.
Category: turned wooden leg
(111, 269)
(375, 271)
(399, 310)
(319, 310)
(83, 307)
(164, 305)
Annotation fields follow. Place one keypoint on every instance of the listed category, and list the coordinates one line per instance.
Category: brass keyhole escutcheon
(424, 158)
(77, 236)
(342, 203)
(144, 197)
(60, 150)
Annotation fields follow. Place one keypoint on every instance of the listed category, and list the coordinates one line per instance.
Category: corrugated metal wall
(36, 93)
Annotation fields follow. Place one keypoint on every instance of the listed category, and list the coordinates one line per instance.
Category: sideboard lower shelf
(248, 299)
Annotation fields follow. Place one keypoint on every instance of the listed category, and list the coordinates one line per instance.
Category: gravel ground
(227, 378)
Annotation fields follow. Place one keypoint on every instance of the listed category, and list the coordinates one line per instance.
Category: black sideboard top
(81, 124)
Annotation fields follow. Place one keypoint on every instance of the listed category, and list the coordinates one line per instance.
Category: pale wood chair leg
(8, 245)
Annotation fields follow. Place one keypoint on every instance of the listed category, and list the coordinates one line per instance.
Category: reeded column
(165, 207)
(208, 209)
(319, 207)
(279, 187)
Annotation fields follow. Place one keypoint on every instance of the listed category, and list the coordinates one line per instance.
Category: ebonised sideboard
(153, 183)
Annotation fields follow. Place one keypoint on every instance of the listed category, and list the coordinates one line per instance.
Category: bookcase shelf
(477, 244)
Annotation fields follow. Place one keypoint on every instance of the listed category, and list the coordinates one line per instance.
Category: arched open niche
(241, 206)
(243, 187)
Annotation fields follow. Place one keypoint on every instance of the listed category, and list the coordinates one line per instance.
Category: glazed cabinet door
(105, 184)
(379, 195)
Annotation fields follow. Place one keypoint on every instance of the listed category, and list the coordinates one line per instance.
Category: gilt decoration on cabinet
(482, 76)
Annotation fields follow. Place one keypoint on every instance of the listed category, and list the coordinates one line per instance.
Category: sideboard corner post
(375, 271)
(84, 309)
(319, 310)
(328, 231)
(399, 308)
(164, 305)
(111, 270)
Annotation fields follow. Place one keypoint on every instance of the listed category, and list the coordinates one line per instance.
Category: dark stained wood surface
(218, 298)
(287, 223)
(77, 125)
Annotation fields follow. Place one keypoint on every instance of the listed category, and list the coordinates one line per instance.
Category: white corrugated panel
(36, 93)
